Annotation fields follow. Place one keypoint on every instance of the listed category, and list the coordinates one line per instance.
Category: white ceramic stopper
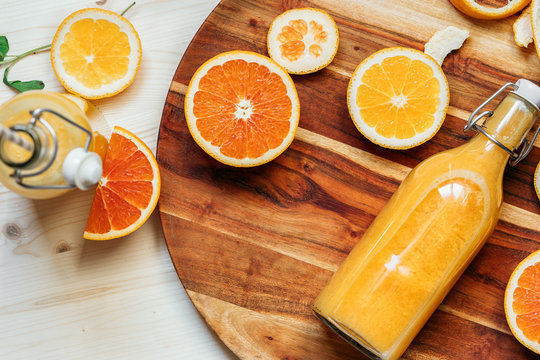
(528, 90)
(82, 169)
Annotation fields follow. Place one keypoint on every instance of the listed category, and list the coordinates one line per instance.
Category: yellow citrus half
(303, 40)
(522, 302)
(398, 97)
(95, 53)
(242, 108)
(486, 12)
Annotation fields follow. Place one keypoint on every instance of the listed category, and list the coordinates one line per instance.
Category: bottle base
(349, 336)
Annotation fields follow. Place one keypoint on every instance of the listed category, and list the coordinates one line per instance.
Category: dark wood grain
(253, 247)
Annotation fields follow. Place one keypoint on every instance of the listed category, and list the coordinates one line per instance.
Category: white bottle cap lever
(82, 169)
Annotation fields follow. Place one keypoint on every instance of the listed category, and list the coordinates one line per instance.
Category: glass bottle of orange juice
(428, 232)
(45, 146)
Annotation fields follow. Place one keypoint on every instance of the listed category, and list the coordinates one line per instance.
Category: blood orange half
(128, 190)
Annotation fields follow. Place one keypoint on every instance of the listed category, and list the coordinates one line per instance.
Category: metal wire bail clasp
(37, 117)
(475, 117)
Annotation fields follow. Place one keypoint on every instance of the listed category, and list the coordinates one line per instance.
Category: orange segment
(293, 39)
(95, 53)
(375, 77)
(522, 302)
(100, 145)
(303, 40)
(398, 97)
(242, 108)
(128, 190)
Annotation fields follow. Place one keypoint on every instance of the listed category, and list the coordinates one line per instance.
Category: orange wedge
(128, 190)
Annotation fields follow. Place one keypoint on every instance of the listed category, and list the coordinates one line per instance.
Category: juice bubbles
(423, 239)
(16, 112)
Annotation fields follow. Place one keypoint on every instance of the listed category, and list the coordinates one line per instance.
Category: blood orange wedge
(128, 190)
(242, 108)
(303, 40)
(522, 302)
(398, 97)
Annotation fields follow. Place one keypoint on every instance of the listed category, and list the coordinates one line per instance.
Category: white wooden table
(62, 297)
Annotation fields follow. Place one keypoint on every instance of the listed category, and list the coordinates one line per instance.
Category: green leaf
(22, 86)
(4, 47)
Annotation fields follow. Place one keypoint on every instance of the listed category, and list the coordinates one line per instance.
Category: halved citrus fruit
(537, 180)
(398, 97)
(242, 108)
(128, 191)
(489, 10)
(303, 40)
(95, 53)
(522, 302)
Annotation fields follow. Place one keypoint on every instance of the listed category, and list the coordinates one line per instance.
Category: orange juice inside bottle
(16, 112)
(423, 239)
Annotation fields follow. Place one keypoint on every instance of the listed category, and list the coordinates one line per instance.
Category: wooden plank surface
(253, 247)
(63, 297)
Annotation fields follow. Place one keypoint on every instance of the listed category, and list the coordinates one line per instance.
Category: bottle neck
(510, 123)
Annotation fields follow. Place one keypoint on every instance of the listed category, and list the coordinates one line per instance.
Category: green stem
(129, 7)
(20, 56)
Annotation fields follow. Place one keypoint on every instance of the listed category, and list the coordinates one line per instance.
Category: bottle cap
(528, 90)
(82, 169)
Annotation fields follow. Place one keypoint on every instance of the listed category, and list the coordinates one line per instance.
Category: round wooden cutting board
(253, 247)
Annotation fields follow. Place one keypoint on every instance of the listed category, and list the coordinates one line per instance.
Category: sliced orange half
(398, 97)
(303, 40)
(95, 53)
(128, 191)
(489, 10)
(242, 108)
(537, 180)
(522, 302)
